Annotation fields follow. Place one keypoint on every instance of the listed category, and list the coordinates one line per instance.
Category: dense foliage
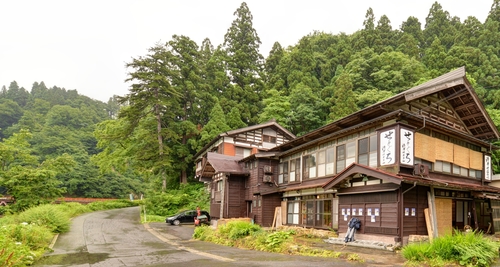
(183, 94)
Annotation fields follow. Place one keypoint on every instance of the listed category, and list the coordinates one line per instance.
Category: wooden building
(223, 164)
(425, 149)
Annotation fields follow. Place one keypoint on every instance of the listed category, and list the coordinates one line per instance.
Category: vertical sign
(406, 147)
(387, 147)
(487, 167)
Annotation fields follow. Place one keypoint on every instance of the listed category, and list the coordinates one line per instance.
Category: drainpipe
(226, 183)
(401, 212)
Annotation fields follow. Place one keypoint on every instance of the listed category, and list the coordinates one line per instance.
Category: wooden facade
(425, 149)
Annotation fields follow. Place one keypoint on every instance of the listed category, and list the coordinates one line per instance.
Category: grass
(459, 248)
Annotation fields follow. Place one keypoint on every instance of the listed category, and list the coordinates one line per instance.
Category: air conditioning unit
(267, 179)
(268, 169)
(420, 169)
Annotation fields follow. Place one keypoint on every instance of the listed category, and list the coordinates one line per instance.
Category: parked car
(185, 217)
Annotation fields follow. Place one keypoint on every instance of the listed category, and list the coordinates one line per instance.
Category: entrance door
(462, 214)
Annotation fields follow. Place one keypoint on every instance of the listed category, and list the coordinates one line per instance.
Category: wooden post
(277, 218)
(432, 211)
(428, 224)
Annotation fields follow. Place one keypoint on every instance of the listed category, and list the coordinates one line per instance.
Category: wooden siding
(415, 198)
(380, 212)
(269, 204)
(215, 211)
(236, 204)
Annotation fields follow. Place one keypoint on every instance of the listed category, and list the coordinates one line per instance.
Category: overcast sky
(84, 45)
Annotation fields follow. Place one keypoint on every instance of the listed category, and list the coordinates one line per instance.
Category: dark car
(185, 217)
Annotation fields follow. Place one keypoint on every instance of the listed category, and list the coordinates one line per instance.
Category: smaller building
(232, 181)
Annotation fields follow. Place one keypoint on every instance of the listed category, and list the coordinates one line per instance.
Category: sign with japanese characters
(487, 167)
(387, 147)
(406, 146)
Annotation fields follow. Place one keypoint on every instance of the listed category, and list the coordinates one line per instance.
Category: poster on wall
(406, 147)
(413, 213)
(360, 212)
(387, 147)
(353, 212)
(407, 211)
(373, 218)
(369, 212)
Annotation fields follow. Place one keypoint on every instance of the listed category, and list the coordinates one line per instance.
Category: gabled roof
(355, 168)
(271, 123)
(219, 163)
(453, 88)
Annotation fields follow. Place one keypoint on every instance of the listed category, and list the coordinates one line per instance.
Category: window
(269, 139)
(243, 152)
(373, 151)
(340, 158)
(309, 168)
(283, 173)
(351, 153)
(363, 157)
(293, 212)
(321, 163)
(294, 170)
(330, 161)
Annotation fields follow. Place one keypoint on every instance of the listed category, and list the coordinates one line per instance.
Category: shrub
(276, 239)
(238, 229)
(54, 218)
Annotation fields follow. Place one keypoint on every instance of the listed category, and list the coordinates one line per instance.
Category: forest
(55, 142)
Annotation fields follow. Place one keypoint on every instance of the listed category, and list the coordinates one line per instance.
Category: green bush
(51, 216)
(238, 229)
(466, 249)
(275, 240)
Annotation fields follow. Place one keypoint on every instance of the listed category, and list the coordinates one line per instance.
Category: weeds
(466, 249)
(246, 235)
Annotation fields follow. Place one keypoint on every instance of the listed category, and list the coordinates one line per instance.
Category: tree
(215, 126)
(438, 25)
(306, 112)
(244, 66)
(233, 119)
(276, 106)
(343, 101)
(29, 182)
(10, 113)
(151, 94)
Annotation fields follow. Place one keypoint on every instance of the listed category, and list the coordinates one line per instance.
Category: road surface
(117, 238)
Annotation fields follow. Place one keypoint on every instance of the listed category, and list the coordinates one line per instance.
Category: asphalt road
(117, 238)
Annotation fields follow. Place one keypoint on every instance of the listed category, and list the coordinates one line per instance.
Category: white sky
(84, 45)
